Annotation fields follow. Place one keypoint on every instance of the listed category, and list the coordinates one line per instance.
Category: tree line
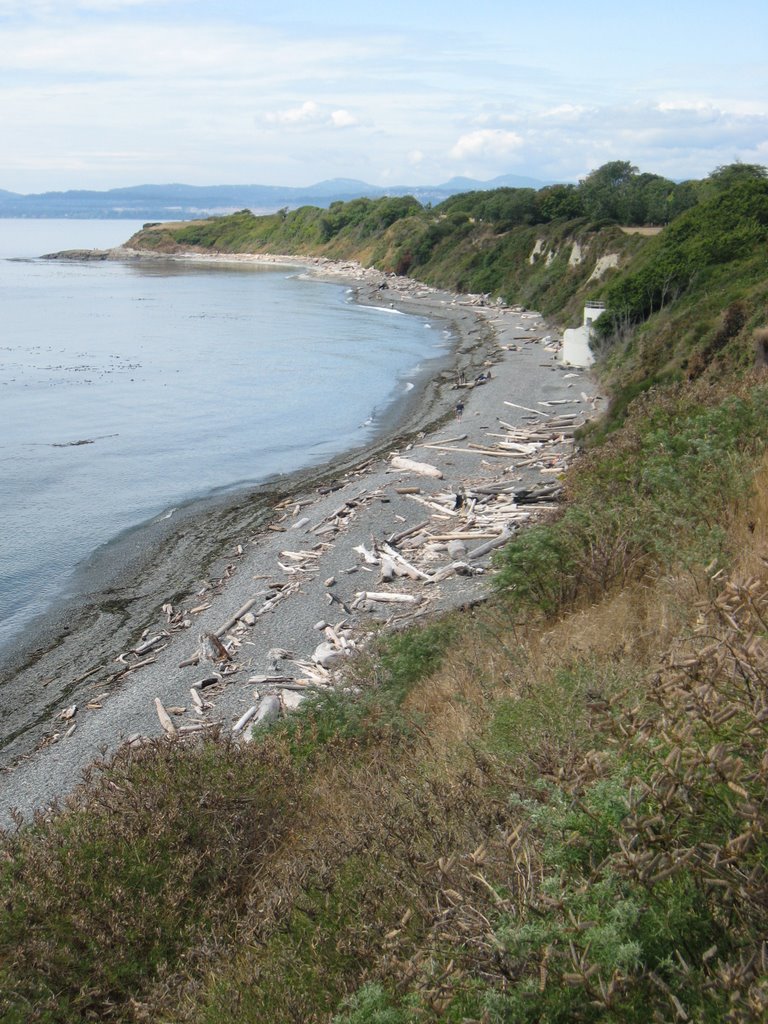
(614, 193)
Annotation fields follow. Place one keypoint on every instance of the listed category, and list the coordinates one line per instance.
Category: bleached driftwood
(468, 535)
(268, 712)
(291, 700)
(443, 509)
(388, 569)
(385, 597)
(369, 557)
(244, 719)
(514, 405)
(458, 568)
(405, 567)
(147, 645)
(239, 613)
(443, 440)
(410, 466)
(316, 675)
(491, 545)
(206, 681)
(337, 639)
(210, 648)
(326, 655)
(396, 538)
(457, 547)
(299, 556)
(165, 718)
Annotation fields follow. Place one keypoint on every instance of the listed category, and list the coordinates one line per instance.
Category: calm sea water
(182, 381)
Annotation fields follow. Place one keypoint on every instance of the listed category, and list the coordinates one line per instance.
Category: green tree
(684, 196)
(604, 191)
(556, 202)
(728, 175)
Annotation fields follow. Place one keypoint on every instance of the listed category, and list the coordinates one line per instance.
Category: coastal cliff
(549, 805)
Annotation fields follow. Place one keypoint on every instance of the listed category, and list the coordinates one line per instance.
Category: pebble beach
(292, 577)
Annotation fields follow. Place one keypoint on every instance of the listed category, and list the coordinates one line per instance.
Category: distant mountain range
(185, 202)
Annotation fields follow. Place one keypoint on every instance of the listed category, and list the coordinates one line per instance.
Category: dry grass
(749, 531)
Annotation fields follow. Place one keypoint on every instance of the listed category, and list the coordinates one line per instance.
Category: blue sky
(103, 93)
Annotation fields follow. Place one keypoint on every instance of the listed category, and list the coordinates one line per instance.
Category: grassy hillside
(694, 300)
(544, 266)
(552, 808)
(542, 250)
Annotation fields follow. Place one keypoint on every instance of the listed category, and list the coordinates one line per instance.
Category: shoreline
(100, 571)
(216, 544)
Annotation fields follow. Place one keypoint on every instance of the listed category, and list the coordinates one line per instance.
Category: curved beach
(88, 677)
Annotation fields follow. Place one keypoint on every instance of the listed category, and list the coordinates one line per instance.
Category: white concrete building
(576, 350)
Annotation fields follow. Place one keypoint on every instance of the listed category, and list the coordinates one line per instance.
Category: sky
(99, 94)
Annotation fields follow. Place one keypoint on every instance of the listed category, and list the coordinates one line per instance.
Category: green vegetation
(550, 809)
(655, 497)
(617, 192)
(475, 241)
(729, 227)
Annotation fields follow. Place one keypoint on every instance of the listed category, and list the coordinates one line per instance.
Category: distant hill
(190, 202)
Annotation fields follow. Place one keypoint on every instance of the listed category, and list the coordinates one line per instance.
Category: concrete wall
(576, 350)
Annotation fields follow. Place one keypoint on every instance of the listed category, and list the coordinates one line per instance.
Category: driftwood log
(244, 719)
(165, 718)
(483, 549)
(410, 466)
(385, 597)
(268, 712)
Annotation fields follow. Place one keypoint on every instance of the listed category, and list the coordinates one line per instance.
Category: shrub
(655, 499)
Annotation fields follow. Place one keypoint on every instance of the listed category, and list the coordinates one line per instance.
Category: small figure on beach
(459, 410)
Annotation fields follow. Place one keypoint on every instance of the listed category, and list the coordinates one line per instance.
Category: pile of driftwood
(545, 444)
(461, 527)
(275, 696)
(464, 526)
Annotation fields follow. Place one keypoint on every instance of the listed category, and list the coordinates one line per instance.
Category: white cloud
(565, 112)
(310, 114)
(676, 139)
(343, 119)
(488, 142)
(307, 113)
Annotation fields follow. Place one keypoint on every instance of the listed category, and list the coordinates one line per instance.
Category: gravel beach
(291, 575)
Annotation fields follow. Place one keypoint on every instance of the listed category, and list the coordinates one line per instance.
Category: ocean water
(129, 389)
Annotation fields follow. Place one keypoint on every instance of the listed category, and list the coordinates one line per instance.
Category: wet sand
(217, 553)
